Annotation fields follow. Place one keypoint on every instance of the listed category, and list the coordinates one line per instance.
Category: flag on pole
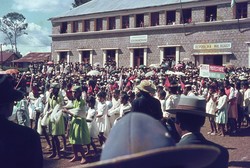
(167, 83)
(233, 3)
(182, 84)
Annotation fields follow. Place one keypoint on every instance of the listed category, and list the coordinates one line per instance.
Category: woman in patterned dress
(78, 133)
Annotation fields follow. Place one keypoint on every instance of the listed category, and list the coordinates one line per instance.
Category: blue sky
(37, 14)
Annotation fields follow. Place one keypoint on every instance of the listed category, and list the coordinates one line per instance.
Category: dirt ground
(237, 145)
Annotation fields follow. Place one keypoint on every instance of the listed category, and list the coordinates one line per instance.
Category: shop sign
(212, 71)
(139, 39)
(212, 46)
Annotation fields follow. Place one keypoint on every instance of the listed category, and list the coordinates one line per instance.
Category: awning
(109, 48)
(62, 51)
(84, 49)
(166, 46)
(136, 47)
(212, 53)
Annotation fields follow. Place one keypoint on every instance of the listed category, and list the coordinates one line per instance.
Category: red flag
(167, 83)
(182, 85)
(90, 89)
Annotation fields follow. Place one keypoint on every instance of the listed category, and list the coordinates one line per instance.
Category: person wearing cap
(79, 133)
(146, 103)
(20, 146)
(190, 117)
(157, 149)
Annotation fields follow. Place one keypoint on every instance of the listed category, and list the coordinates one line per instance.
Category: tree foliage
(13, 25)
(79, 2)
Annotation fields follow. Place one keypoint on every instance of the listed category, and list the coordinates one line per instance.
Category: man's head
(190, 114)
(8, 94)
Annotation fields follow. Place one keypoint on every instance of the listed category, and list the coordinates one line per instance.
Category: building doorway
(63, 57)
(213, 59)
(110, 59)
(86, 57)
(169, 56)
(138, 57)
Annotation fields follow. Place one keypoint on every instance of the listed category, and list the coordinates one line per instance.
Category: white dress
(114, 111)
(103, 121)
(211, 105)
(91, 122)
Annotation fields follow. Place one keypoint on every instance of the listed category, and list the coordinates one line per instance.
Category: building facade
(205, 32)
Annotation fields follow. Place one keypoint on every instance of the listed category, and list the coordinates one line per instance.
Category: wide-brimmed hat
(55, 85)
(76, 88)
(133, 142)
(147, 86)
(191, 105)
(7, 91)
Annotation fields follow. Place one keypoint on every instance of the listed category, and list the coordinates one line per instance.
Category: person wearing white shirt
(113, 113)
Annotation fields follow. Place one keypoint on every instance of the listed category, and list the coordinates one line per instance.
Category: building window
(75, 26)
(111, 23)
(170, 19)
(98, 26)
(186, 16)
(64, 27)
(86, 25)
(241, 10)
(140, 20)
(155, 19)
(211, 13)
(125, 22)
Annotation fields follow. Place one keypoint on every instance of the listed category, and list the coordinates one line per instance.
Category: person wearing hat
(190, 117)
(79, 132)
(56, 122)
(156, 150)
(146, 103)
(20, 146)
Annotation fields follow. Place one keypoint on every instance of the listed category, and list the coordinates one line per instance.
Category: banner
(212, 71)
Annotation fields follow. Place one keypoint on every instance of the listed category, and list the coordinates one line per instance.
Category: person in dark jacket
(190, 117)
(146, 103)
(20, 146)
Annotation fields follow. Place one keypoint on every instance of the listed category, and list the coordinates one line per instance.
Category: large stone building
(146, 31)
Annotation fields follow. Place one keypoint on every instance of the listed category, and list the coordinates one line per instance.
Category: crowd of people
(66, 102)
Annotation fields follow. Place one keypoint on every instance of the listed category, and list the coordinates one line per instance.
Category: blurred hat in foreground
(7, 91)
(133, 142)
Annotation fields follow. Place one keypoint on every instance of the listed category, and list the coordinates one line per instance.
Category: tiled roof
(35, 57)
(100, 6)
(5, 55)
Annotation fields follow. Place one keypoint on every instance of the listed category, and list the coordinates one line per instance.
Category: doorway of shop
(138, 57)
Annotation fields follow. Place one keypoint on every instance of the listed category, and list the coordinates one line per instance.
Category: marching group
(62, 102)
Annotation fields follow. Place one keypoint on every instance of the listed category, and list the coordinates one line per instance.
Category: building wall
(224, 30)
(184, 36)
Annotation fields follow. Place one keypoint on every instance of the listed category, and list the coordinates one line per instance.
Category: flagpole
(235, 12)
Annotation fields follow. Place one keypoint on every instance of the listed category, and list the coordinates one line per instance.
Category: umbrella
(11, 71)
(142, 66)
(179, 73)
(115, 71)
(169, 73)
(155, 66)
(50, 63)
(150, 73)
(93, 73)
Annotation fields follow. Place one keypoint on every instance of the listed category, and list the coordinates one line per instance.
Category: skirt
(79, 132)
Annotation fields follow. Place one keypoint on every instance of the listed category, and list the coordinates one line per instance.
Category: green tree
(13, 25)
(79, 2)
